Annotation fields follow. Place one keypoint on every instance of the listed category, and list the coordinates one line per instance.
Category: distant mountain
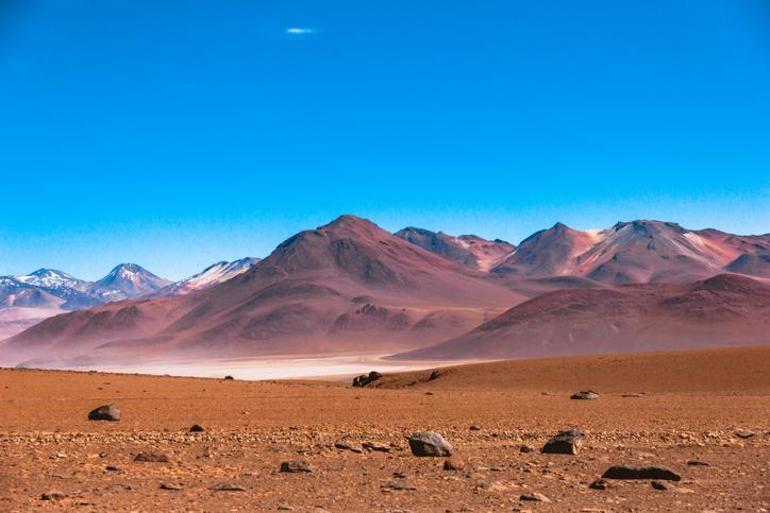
(210, 276)
(725, 310)
(127, 281)
(345, 286)
(636, 252)
(469, 250)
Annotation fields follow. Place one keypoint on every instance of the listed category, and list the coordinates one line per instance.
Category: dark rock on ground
(585, 395)
(429, 444)
(345, 446)
(534, 497)
(526, 448)
(474, 427)
(454, 463)
(659, 486)
(696, 463)
(434, 375)
(53, 496)
(395, 486)
(564, 442)
(742, 433)
(170, 487)
(296, 466)
(375, 446)
(108, 412)
(229, 378)
(365, 379)
(624, 472)
(151, 457)
(599, 484)
(196, 428)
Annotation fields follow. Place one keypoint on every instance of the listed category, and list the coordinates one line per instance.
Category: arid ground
(704, 415)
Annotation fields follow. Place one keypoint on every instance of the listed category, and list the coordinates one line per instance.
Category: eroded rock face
(108, 412)
(565, 442)
(429, 444)
(626, 472)
(365, 379)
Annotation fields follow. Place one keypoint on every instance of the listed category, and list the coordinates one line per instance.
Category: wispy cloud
(299, 31)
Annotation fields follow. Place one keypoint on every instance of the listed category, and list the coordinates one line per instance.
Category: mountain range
(26, 299)
(350, 286)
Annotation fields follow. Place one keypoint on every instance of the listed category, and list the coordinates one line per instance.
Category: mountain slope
(345, 286)
(210, 276)
(127, 281)
(469, 250)
(726, 310)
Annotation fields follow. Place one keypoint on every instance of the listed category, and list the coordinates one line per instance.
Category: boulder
(454, 463)
(108, 412)
(534, 497)
(196, 428)
(624, 472)
(365, 379)
(429, 444)
(585, 395)
(296, 466)
(151, 457)
(564, 442)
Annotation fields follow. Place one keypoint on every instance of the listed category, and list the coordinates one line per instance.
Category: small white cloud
(299, 31)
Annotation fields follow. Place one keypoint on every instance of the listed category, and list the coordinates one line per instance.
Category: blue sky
(177, 133)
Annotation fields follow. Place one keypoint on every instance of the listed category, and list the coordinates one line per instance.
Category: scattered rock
(196, 428)
(585, 395)
(108, 412)
(535, 497)
(227, 487)
(53, 496)
(624, 472)
(395, 486)
(151, 457)
(170, 487)
(429, 444)
(375, 446)
(599, 484)
(296, 466)
(365, 379)
(345, 446)
(454, 463)
(564, 442)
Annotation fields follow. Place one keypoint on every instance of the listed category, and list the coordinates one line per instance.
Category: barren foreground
(704, 415)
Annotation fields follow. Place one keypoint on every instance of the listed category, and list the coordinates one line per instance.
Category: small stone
(742, 433)
(454, 463)
(526, 448)
(196, 428)
(624, 472)
(296, 466)
(599, 484)
(474, 427)
(151, 457)
(170, 487)
(229, 378)
(659, 486)
(535, 497)
(345, 446)
(53, 496)
(227, 487)
(108, 412)
(375, 446)
(696, 463)
(564, 442)
(111, 468)
(285, 507)
(395, 486)
(429, 444)
(585, 395)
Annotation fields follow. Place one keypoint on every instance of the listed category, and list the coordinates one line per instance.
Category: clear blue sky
(177, 133)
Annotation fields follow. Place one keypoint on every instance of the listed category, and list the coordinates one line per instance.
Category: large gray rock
(429, 444)
(564, 442)
(585, 395)
(366, 379)
(108, 412)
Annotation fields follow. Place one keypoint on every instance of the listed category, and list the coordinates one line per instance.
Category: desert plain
(704, 415)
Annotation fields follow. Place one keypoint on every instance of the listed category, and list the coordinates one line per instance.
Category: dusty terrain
(664, 409)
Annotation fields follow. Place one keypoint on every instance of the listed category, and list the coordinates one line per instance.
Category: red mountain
(725, 310)
(469, 250)
(346, 286)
